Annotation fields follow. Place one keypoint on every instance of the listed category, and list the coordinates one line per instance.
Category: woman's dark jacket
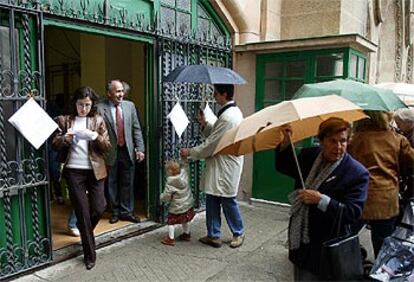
(347, 184)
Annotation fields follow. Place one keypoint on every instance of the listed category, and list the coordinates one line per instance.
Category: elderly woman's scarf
(299, 212)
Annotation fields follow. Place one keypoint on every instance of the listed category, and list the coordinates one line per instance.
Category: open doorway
(74, 59)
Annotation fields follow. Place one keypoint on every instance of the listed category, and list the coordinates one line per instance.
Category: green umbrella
(364, 95)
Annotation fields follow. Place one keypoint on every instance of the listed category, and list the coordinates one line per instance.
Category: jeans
(72, 220)
(231, 212)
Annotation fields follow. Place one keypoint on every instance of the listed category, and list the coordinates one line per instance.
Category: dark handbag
(341, 257)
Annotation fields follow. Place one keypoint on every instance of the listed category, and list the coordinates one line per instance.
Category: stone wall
(354, 15)
(245, 64)
(310, 18)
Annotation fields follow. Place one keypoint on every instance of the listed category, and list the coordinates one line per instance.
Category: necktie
(119, 127)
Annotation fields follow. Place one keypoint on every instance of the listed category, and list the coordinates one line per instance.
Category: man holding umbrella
(222, 173)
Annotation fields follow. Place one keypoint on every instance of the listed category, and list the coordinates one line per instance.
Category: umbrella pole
(297, 162)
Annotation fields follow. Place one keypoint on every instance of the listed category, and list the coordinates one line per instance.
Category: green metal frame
(67, 24)
(153, 145)
(214, 16)
(25, 228)
(267, 183)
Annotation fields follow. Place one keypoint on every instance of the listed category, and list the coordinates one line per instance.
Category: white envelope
(179, 119)
(33, 123)
(209, 114)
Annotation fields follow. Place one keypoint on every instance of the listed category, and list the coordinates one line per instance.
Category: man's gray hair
(404, 115)
(109, 84)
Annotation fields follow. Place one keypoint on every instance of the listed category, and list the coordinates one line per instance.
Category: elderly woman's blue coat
(347, 184)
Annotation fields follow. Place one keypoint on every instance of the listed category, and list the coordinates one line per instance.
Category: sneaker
(185, 237)
(114, 219)
(74, 232)
(168, 241)
(237, 241)
(216, 243)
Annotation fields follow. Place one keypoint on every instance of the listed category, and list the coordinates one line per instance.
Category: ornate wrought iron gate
(173, 53)
(24, 199)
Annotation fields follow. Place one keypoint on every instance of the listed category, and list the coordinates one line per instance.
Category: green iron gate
(24, 216)
(192, 97)
(188, 32)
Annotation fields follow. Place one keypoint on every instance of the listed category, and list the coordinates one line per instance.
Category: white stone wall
(245, 96)
(271, 23)
(354, 15)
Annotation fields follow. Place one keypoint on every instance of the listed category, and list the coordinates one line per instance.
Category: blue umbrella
(204, 74)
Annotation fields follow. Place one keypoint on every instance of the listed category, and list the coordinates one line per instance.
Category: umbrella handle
(296, 161)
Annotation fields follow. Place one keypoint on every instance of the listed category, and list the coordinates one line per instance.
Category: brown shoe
(216, 243)
(237, 241)
(168, 241)
(185, 237)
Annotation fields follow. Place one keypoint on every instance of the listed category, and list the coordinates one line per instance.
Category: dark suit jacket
(347, 184)
(133, 134)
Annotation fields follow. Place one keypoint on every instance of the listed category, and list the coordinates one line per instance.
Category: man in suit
(127, 147)
(221, 176)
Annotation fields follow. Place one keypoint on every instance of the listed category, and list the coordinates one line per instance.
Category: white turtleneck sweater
(79, 153)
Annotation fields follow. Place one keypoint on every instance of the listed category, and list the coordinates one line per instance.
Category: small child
(178, 194)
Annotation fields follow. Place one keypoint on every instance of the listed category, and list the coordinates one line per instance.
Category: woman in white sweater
(82, 140)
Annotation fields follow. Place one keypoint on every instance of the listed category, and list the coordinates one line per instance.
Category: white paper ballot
(179, 119)
(209, 114)
(33, 123)
(85, 134)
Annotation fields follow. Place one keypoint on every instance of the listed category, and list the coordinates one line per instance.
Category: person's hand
(309, 196)
(69, 136)
(201, 118)
(29, 95)
(287, 131)
(185, 152)
(140, 156)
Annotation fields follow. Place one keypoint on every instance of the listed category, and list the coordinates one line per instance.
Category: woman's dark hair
(225, 88)
(82, 93)
(333, 126)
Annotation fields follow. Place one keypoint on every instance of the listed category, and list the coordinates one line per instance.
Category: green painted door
(278, 77)
(24, 199)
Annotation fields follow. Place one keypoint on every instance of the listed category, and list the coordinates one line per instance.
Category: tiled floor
(60, 236)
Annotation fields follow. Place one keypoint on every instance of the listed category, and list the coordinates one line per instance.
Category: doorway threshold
(106, 239)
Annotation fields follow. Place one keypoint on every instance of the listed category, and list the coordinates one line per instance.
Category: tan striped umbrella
(262, 130)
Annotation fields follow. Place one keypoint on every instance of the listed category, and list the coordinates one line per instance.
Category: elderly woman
(383, 152)
(404, 118)
(332, 178)
(82, 140)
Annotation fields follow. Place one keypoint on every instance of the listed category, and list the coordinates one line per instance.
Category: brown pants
(88, 206)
